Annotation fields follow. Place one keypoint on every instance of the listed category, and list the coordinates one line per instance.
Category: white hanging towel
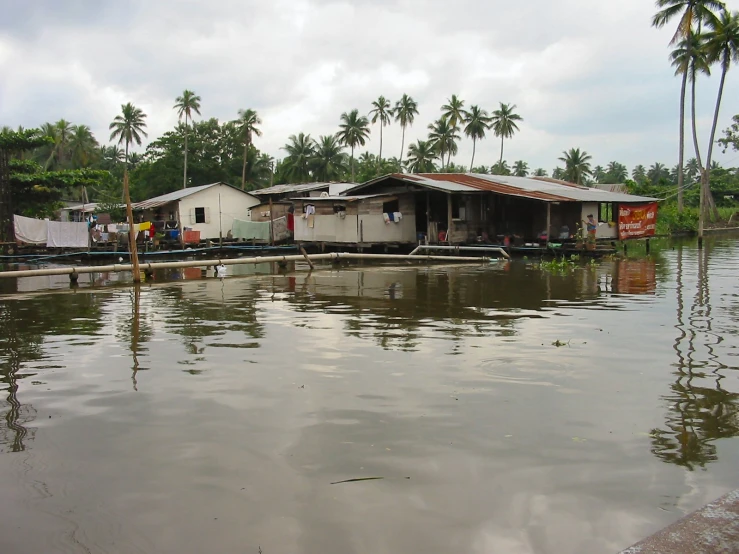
(397, 216)
(29, 230)
(67, 234)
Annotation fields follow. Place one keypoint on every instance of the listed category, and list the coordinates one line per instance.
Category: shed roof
(176, 195)
(343, 198)
(299, 187)
(535, 188)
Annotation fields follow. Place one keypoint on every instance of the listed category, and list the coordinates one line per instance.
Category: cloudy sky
(583, 73)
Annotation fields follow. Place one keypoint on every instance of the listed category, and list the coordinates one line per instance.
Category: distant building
(458, 208)
(207, 209)
(297, 190)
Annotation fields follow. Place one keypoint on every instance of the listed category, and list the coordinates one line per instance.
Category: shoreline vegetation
(64, 161)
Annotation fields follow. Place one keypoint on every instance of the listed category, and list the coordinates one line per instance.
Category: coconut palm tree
(521, 169)
(616, 172)
(658, 172)
(540, 172)
(690, 58)
(421, 157)
(353, 132)
(247, 123)
(690, 13)
(453, 111)
(639, 174)
(443, 137)
(500, 168)
(328, 162)
(577, 165)
(129, 127)
(558, 173)
(381, 111)
(722, 47)
(186, 105)
(300, 153)
(693, 171)
(82, 146)
(477, 121)
(406, 110)
(599, 173)
(504, 123)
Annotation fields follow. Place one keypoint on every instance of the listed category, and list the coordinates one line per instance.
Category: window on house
(199, 215)
(390, 207)
(606, 212)
(459, 208)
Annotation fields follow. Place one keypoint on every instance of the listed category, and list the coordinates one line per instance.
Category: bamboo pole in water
(150, 266)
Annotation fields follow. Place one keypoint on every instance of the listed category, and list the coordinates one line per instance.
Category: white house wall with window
(209, 209)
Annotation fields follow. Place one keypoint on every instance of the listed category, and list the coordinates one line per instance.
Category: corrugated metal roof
(299, 187)
(177, 195)
(347, 198)
(535, 188)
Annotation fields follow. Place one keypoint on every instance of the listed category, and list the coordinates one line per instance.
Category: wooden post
(549, 222)
(220, 223)
(132, 248)
(449, 219)
(305, 255)
(428, 218)
(181, 227)
(271, 223)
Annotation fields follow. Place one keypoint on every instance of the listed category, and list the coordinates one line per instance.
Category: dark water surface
(207, 415)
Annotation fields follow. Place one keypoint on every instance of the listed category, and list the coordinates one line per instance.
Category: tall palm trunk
(243, 170)
(472, 161)
(442, 160)
(131, 232)
(681, 156)
(702, 195)
(379, 159)
(184, 174)
(402, 146)
(352, 163)
(707, 172)
(502, 138)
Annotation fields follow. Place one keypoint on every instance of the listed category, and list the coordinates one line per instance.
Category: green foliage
(19, 141)
(671, 221)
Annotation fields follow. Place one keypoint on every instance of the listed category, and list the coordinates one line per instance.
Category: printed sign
(637, 220)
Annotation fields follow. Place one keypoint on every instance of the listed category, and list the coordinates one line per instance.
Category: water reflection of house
(459, 208)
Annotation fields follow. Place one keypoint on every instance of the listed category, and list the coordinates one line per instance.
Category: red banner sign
(637, 220)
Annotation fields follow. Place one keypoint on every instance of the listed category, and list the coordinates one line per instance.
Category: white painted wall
(235, 204)
(327, 228)
(331, 228)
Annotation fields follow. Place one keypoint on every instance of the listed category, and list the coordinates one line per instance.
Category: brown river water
(506, 408)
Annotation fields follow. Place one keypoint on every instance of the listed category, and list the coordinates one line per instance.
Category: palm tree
(406, 110)
(454, 111)
(482, 169)
(639, 174)
(692, 169)
(540, 172)
(616, 172)
(129, 127)
(300, 153)
(247, 122)
(443, 137)
(421, 157)
(82, 145)
(658, 172)
(504, 123)
(382, 112)
(690, 12)
(328, 162)
(577, 165)
(477, 121)
(599, 174)
(185, 105)
(558, 173)
(521, 169)
(500, 168)
(354, 131)
(722, 46)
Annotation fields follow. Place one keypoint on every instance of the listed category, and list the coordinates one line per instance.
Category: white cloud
(588, 74)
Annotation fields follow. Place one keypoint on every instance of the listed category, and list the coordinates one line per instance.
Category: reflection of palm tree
(698, 415)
